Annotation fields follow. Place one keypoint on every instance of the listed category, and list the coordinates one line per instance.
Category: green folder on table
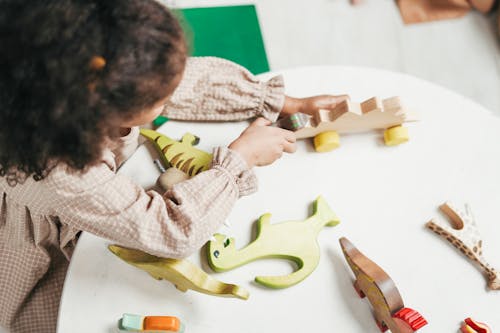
(231, 32)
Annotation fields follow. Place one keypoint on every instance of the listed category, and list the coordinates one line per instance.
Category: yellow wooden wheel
(396, 135)
(326, 141)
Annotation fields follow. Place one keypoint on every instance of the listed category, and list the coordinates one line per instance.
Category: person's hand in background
(309, 105)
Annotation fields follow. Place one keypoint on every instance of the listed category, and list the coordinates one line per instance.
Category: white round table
(383, 196)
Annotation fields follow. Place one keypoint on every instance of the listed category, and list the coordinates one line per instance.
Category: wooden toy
(182, 273)
(372, 282)
(181, 155)
(151, 324)
(464, 235)
(350, 117)
(171, 177)
(293, 240)
(472, 326)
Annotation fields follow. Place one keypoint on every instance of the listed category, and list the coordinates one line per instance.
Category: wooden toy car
(350, 117)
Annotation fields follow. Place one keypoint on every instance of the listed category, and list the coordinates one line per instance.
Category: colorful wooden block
(150, 324)
(131, 323)
(464, 235)
(182, 273)
(293, 240)
(162, 324)
(374, 283)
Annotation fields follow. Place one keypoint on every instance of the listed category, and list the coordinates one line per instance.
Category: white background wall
(461, 54)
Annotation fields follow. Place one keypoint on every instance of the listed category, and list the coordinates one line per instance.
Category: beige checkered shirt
(40, 221)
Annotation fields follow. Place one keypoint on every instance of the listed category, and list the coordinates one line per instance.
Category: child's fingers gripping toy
(372, 282)
(350, 117)
(150, 324)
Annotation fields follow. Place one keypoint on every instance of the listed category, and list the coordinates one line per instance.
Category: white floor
(461, 54)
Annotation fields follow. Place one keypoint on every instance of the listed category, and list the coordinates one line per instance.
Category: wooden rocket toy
(350, 117)
(372, 282)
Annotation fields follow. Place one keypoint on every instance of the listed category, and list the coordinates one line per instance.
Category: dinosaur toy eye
(226, 242)
(216, 253)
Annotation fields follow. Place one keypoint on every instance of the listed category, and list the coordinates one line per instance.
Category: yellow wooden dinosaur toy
(182, 273)
(180, 154)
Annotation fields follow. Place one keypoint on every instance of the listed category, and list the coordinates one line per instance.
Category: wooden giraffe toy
(182, 273)
(181, 155)
(374, 283)
(349, 117)
(292, 240)
(464, 235)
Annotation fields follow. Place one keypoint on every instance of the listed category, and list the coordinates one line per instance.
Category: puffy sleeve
(172, 225)
(125, 146)
(215, 89)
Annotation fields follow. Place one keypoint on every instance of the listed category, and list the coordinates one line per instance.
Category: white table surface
(383, 196)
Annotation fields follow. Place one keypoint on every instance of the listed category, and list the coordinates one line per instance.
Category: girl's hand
(261, 144)
(309, 105)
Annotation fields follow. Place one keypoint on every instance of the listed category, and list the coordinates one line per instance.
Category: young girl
(77, 78)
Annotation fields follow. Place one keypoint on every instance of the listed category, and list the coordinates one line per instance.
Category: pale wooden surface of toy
(351, 117)
(464, 235)
(293, 240)
(374, 283)
(182, 273)
(181, 155)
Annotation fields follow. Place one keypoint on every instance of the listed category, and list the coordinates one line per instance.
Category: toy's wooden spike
(372, 282)
(372, 105)
(464, 235)
(182, 273)
(176, 153)
(300, 246)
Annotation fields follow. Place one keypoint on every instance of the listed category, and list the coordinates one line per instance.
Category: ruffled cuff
(233, 164)
(130, 138)
(273, 98)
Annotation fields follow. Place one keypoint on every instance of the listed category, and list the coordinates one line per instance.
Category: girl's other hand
(309, 105)
(261, 144)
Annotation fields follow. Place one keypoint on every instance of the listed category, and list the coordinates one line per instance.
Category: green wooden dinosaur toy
(182, 273)
(292, 240)
(180, 154)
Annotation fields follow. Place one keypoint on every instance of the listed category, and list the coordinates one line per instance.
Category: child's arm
(173, 225)
(216, 89)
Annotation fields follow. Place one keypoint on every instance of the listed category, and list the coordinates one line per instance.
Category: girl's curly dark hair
(56, 105)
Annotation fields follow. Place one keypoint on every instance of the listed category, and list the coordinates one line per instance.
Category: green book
(230, 32)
